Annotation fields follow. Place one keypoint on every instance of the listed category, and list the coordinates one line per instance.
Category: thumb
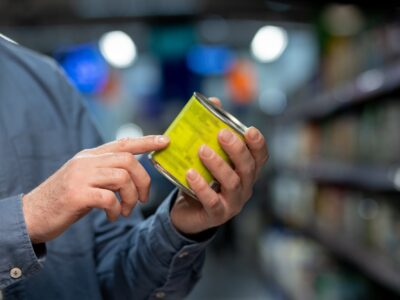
(215, 101)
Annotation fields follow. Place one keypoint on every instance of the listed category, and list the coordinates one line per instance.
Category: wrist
(30, 223)
(187, 230)
(189, 227)
(201, 236)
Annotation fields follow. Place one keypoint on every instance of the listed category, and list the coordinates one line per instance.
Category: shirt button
(183, 254)
(160, 295)
(15, 273)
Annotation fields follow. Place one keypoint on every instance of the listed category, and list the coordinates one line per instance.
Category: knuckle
(250, 167)
(241, 148)
(151, 139)
(213, 204)
(202, 186)
(108, 200)
(248, 171)
(96, 195)
(122, 143)
(219, 162)
(234, 183)
(124, 176)
(128, 158)
(260, 145)
(120, 175)
(146, 180)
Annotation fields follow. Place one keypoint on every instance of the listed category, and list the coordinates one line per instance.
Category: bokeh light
(118, 49)
(269, 43)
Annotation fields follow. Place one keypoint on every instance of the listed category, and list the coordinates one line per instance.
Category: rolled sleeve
(18, 258)
(171, 234)
(150, 261)
(185, 256)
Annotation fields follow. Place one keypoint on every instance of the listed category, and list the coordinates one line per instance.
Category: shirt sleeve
(136, 258)
(147, 259)
(18, 258)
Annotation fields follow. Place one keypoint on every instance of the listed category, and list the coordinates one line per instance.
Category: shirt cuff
(177, 239)
(18, 258)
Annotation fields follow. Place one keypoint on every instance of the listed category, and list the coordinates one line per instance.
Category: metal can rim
(170, 177)
(221, 114)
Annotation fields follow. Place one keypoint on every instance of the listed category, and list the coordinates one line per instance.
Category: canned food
(198, 123)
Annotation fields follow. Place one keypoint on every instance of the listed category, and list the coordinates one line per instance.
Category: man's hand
(90, 180)
(213, 208)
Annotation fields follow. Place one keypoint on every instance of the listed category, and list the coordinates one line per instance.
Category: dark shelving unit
(376, 265)
(348, 95)
(371, 87)
(371, 178)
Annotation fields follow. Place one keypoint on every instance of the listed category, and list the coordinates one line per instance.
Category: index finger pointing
(133, 145)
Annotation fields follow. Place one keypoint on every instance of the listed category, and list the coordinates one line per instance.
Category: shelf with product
(370, 85)
(357, 226)
(376, 265)
(339, 187)
(336, 161)
(372, 178)
(359, 148)
(306, 267)
(353, 70)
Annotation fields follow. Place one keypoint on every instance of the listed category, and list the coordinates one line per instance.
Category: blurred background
(321, 81)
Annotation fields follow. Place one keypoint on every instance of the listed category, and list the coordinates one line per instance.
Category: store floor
(230, 277)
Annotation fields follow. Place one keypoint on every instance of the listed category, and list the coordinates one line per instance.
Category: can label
(194, 126)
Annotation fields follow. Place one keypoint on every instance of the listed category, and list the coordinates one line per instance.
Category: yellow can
(198, 123)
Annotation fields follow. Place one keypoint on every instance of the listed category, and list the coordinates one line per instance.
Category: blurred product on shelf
(368, 136)
(353, 70)
(345, 57)
(336, 158)
(372, 220)
(306, 271)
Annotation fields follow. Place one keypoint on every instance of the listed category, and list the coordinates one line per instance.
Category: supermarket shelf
(370, 85)
(373, 178)
(374, 264)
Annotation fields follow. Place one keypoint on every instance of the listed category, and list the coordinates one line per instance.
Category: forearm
(18, 258)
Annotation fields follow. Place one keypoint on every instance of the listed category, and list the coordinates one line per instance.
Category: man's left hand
(191, 216)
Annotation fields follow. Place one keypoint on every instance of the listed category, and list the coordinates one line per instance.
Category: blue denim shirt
(42, 124)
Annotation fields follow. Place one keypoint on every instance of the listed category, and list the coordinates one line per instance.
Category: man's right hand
(90, 180)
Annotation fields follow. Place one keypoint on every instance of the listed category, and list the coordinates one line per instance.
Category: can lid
(221, 114)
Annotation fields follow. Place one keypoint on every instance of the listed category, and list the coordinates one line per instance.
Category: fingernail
(227, 136)
(162, 139)
(205, 151)
(192, 174)
(254, 135)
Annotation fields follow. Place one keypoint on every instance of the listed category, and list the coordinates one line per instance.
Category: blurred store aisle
(243, 284)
